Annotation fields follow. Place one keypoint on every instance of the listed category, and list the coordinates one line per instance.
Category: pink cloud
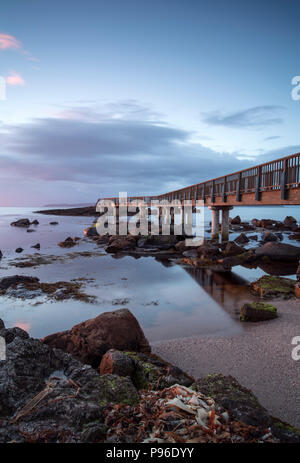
(8, 41)
(14, 79)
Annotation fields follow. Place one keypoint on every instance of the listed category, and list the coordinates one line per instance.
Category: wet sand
(260, 359)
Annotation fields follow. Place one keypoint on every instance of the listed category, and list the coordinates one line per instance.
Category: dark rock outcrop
(120, 243)
(21, 223)
(290, 222)
(146, 372)
(72, 396)
(243, 405)
(279, 252)
(268, 236)
(232, 249)
(88, 341)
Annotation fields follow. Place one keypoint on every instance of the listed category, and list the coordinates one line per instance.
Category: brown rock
(242, 239)
(88, 341)
(68, 243)
(297, 290)
(232, 249)
(290, 222)
(236, 220)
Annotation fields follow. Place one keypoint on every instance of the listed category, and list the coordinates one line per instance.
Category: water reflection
(228, 289)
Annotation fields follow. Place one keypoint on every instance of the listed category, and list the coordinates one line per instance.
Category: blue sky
(142, 96)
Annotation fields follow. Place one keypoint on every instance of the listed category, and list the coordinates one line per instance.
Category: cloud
(274, 137)
(14, 79)
(81, 158)
(256, 117)
(8, 41)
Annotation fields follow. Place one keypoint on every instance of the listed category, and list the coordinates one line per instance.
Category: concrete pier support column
(215, 222)
(225, 223)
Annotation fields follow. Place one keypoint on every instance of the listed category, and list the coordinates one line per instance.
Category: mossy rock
(118, 390)
(257, 311)
(271, 286)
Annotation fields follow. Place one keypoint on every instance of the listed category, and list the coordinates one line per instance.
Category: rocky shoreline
(129, 395)
(94, 382)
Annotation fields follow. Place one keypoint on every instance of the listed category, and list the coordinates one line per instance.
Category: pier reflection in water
(228, 289)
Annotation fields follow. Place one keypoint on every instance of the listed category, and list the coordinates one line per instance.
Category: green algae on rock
(257, 311)
(270, 286)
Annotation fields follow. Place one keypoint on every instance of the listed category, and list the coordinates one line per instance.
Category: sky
(142, 96)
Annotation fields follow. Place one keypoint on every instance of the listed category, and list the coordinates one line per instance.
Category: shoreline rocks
(90, 340)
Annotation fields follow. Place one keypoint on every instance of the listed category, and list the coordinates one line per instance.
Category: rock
(1, 255)
(89, 340)
(68, 243)
(255, 222)
(30, 230)
(18, 250)
(290, 222)
(146, 372)
(239, 401)
(241, 259)
(268, 236)
(21, 223)
(270, 286)
(163, 242)
(209, 251)
(35, 222)
(53, 223)
(242, 239)
(82, 394)
(279, 252)
(232, 249)
(236, 220)
(267, 223)
(7, 282)
(180, 246)
(257, 311)
(121, 243)
(36, 246)
(102, 239)
(90, 231)
(298, 273)
(297, 289)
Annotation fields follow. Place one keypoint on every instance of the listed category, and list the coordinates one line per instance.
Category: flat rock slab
(270, 286)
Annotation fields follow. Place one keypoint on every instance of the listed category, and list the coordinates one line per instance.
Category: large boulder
(145, 371)
(88, 341)
(21, 223)
(279, 252)
(64, 398)
(257, 312)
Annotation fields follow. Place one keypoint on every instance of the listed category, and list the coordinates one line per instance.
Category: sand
(260, 359)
